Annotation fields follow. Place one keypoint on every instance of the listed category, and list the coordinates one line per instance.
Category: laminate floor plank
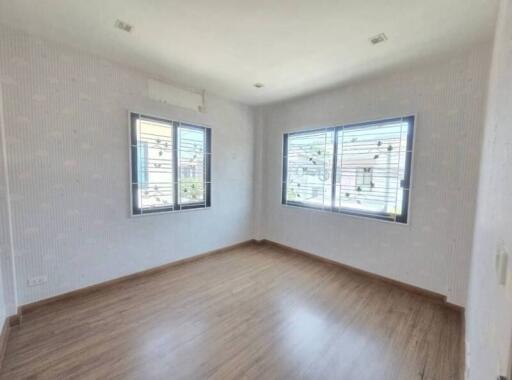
(254, 312)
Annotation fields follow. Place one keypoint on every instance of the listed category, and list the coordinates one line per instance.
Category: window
(360, 169)
(170, 165)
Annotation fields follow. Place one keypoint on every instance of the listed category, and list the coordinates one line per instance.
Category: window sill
(170, 211)
(346, 214)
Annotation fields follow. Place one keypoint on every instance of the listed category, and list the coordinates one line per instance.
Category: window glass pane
(142, 158)
(170, 165)
(191, 164)
(154, 164)
(309, 167)
(370, 169)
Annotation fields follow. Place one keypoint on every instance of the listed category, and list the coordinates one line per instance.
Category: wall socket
(38, 280)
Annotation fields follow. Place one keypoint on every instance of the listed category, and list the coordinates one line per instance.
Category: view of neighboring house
(158, 178)
(369, 158)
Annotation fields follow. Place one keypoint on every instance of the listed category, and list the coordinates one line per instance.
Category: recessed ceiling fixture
(258, 85)
(378, 39)
(123, 26)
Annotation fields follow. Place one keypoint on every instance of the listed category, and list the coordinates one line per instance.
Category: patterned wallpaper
(489, 313)
(433, 251)
(7, 291)
(67, 137)
(66, 116)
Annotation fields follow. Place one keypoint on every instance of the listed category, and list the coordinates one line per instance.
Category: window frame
(134, 157)
(403, 218)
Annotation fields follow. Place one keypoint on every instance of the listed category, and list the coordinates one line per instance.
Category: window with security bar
(358, 169)
(170, 165)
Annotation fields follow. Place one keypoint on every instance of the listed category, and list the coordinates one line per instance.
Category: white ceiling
(225, 46)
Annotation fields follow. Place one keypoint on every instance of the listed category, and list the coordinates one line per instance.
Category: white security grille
(170, 165)
(361, 169)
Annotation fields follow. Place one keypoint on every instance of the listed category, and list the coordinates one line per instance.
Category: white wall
(489, 314)
(66, 118)
(4, 218)
(67, 155)
(433, 251)
(7, 290)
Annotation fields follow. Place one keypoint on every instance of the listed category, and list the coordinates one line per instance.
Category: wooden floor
(257, 312)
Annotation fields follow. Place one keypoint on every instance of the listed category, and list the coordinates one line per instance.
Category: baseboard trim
(14, 320)
(4, 337)
(27, 308)
(463, 348)
(437, 297)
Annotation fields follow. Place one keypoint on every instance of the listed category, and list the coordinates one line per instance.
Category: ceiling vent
(378, 39)
(123, 26)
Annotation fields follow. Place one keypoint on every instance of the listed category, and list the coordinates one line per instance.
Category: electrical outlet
(36, 281)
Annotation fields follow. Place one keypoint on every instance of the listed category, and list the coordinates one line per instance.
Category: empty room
(258, 190)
